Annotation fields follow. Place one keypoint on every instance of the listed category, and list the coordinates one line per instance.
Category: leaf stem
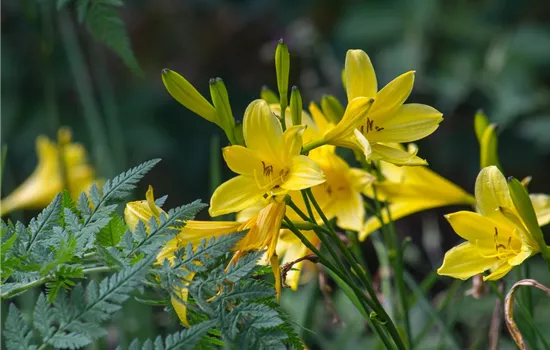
(44, 280)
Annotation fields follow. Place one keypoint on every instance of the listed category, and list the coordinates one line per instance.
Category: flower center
(271, 177)
(503, 252)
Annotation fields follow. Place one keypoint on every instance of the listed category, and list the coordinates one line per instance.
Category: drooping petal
(492, 192)
(411, 122)
(356, 142)
(304, 173)
(242, 160)
(464, 261)
(262, 130)
(195, 231)
(390, 98)
(235, 195)
(360, 75)
(179, 305)
(398, 210)
(355, 115)
(541, 204)
(395, 156)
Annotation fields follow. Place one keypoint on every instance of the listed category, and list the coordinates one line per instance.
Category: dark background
(468, 55)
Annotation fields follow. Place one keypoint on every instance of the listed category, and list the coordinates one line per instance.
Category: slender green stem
(308, 206)
(366, 302)
(399, 277)
(297, 210)
(361, 273)
(283, 119)
(83, 85)
(46, 279)
(3, 165)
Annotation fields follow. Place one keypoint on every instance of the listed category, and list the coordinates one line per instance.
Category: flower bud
(296, 106)
(269, 96)
(220, 98)
(282, 68)
(332, 108)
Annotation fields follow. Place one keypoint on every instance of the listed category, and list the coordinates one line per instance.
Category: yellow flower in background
(541, 204)
(497, 239)
(291, 248)
(269, 165)
(340, 196)
(143, 211)
(389, 120)
(47, 180)
(412, 189)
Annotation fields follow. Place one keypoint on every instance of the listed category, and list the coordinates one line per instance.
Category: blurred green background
(468, 55)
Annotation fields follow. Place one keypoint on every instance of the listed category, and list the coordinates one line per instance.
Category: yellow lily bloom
(47, 180)
(270, 165)
(340, 196)
(388, 120)
(497, 239)
(143, 211)
(412, 189)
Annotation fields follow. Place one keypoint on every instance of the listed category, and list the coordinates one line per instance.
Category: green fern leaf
(17, 333)
(111, 234)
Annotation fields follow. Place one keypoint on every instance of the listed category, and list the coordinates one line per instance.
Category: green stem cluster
(339, 255)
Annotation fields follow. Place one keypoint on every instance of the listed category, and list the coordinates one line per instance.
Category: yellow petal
(464, 261)
(390, 98)
(482, 230)
(398, 210)
(183, 92)
(410, 123)
(262, 130)
(311, 132)
(149, 195)
(356, 142)
(395, 155)
(499, 272)
(492, 192)
(525, 253)
(181, 308)
(541, 204)
(319, 118)
(235, 195)
(354, 116)
(276, 268)
(293, 141)
(360, 75)
(195, 231)
(304, 173)
(350, 212)
(242, 160)
(360, 179)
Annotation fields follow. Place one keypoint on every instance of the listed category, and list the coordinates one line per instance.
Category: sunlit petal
(354, 116)
(464, 261)
(492, 192)
(235, 195)
(477, 228)
(262, 130)
(410, 123)
(390, 98)
(304, 173)
(395, 155)
(541, 204)
(360, 75)
(242, 160)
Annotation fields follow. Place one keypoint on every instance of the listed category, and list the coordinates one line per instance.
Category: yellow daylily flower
(47, 180)
(412, 189)
(388, 120)
(143, 211)
(497, 239)
(269, 165)
(340, 196)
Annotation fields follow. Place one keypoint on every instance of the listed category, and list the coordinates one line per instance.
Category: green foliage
(102, 18)
(227, 304)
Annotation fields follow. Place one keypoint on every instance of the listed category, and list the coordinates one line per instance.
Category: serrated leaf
(17, 333)
(105, 25)
(111, 234)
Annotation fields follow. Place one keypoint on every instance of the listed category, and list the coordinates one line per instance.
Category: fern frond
(40, 227)
(17, 333)
(185, 339)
